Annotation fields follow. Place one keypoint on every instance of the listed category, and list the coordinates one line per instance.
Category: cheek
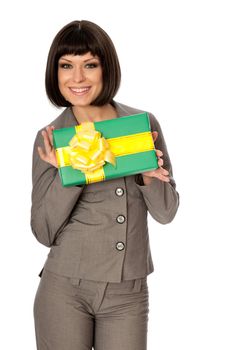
(100, 77)
(60, 77)
(61, 81)
(60, 85)
(99, 80)
(63, 76)
(97, 77)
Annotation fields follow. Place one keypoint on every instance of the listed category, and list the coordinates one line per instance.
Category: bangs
(77, 42)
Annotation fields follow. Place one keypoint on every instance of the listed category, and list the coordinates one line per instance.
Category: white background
(176, 63)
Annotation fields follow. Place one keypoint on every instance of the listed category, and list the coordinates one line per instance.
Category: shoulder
(124, 110)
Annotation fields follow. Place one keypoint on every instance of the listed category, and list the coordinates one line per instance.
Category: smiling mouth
(80, 91)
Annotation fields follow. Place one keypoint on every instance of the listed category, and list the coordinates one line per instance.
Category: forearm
(51, 213)
(161, 198)
(52, 203)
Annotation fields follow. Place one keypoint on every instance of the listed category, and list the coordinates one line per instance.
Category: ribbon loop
(88, 150)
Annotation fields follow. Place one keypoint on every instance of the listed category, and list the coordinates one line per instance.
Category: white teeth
(79, 90)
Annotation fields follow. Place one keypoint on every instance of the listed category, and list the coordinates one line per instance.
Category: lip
(80, 90)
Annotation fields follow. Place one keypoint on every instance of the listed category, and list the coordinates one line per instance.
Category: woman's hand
(159, 173)
(49, 153)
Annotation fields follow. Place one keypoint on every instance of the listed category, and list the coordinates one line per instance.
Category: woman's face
(80, 78)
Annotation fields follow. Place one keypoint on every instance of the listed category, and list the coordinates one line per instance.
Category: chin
(85, 103)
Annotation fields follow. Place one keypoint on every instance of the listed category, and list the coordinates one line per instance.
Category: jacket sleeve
(52, 203)
(161, 198)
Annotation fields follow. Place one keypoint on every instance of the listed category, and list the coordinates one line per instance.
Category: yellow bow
(88, 150)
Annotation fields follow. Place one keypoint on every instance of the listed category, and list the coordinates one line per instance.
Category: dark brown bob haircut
(78, 38)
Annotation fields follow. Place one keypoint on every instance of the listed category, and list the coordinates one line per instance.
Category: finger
(160, 174)
(164, 172)
(50, 135)
(160, 162)
(164, 178)
(154, 135)
(159, 153)
(41, 153)
(161, 177)
(49, 132)
(47, 144)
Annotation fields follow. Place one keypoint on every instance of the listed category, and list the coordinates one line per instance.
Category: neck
(94, 113)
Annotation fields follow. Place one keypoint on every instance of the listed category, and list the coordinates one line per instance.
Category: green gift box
(125, 142)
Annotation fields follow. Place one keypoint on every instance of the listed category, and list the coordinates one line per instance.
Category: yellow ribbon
(88, 150)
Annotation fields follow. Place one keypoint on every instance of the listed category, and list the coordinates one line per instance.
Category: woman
(93, 289)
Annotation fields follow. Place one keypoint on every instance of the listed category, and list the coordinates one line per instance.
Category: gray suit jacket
(99, 231)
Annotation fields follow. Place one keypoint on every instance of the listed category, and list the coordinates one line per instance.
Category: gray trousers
(77, 314)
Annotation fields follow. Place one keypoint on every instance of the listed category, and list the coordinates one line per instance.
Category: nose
(78, 75)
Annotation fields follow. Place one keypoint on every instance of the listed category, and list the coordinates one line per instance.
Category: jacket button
(121, 219)
(120, 246)
(119, 191)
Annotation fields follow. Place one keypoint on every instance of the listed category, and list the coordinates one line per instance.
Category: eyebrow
(88, 59)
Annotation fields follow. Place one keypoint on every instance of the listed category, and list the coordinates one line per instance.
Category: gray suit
(93, 291)
(99, 231)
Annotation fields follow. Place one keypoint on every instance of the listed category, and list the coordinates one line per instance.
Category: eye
(91, 65)
(65, 65)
